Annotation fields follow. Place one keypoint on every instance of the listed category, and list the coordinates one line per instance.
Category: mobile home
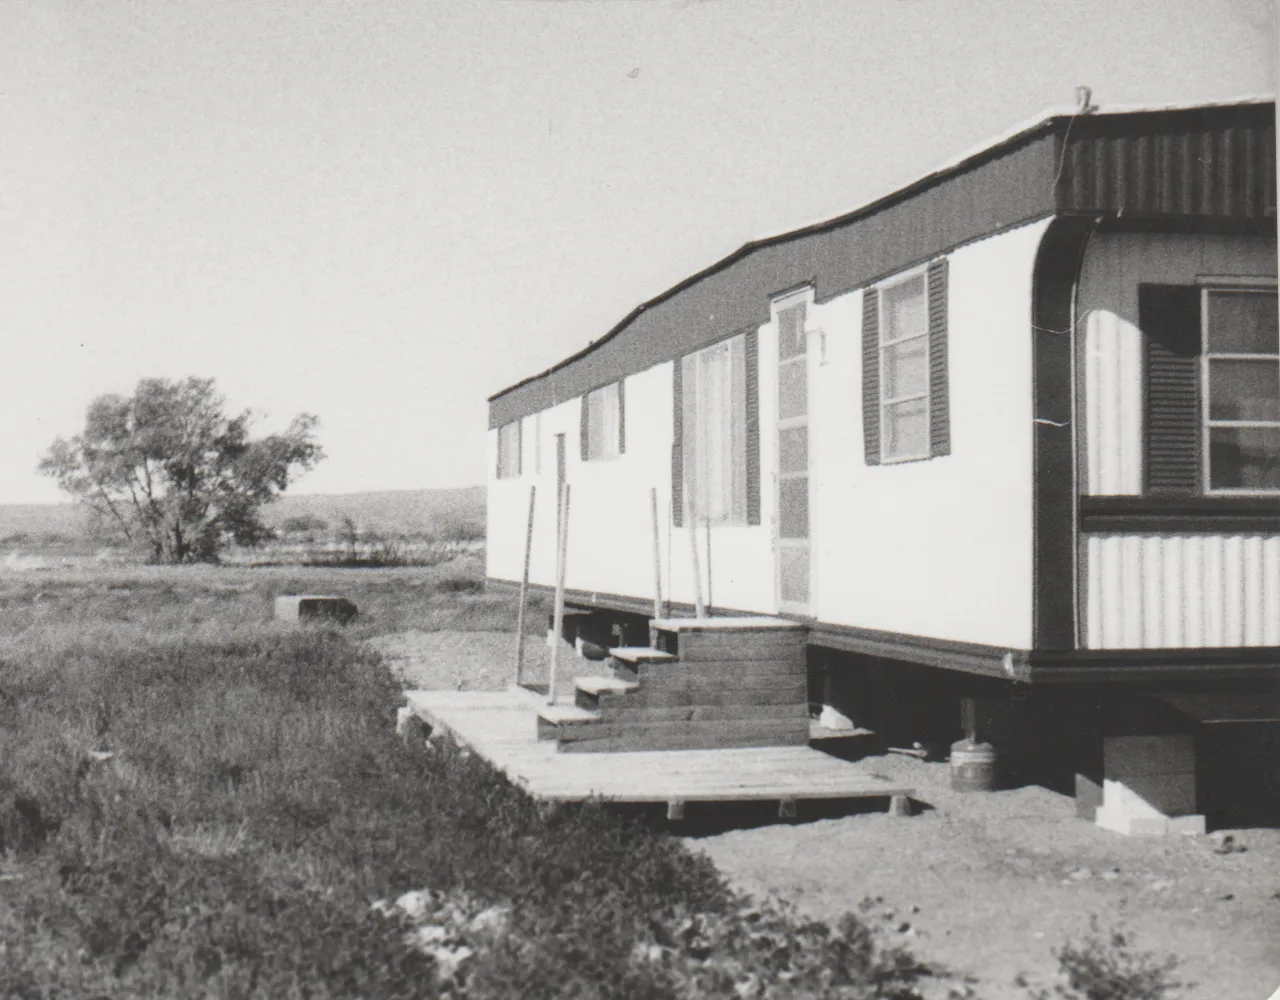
(1008, 437)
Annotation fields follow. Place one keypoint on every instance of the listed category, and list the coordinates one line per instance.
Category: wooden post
(562, 552)
(691, 519)
(710, 610)
(524, 589)
(657, 556)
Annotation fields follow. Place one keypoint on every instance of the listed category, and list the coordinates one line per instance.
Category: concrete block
(314, 607)
(1088, 797)
(1168, 794)
(1151, 826)
(1130, 755)
(1187, 826)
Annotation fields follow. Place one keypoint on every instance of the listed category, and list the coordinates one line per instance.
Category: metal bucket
(973, 767)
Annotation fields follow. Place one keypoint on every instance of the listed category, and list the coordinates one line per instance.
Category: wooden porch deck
(501, 727)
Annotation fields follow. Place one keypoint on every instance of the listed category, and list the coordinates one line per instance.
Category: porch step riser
(612, 738)
(724, 648)
(621, 712)
(719, 672)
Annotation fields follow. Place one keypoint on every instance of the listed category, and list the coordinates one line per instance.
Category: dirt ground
(986, 884)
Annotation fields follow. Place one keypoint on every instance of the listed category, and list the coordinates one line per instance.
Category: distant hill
(389, 512)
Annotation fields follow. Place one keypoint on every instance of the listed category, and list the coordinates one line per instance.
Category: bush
(1105, 967)
(303, 524)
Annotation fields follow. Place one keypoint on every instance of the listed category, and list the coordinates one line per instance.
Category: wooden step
(555, 720)
(640, 654)
(598, 685)
(627, 736)
(655, 693)
(622, 710)
(587, 690)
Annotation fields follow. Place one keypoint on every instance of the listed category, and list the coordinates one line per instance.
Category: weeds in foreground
(1105, 966)
(216, 810)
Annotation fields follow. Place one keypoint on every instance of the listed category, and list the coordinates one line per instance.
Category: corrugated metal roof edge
(1046, 121)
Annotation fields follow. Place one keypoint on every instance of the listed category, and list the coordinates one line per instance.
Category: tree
(168, 468)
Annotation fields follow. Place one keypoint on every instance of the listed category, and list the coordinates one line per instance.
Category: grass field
(58, 529)
(197, 801)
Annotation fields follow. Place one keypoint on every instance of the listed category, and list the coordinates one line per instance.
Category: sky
(382, 213)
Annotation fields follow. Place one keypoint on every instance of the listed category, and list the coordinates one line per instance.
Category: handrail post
(524, 588)
(558, 614)
(657, 556)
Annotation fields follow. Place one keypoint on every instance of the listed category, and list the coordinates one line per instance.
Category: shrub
(1105, 967)
(303, 523)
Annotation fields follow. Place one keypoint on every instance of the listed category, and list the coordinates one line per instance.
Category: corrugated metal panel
(1189, 591)
(1211, 163)
(1113, 404)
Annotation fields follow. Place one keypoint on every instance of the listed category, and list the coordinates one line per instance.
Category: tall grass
(197, 801)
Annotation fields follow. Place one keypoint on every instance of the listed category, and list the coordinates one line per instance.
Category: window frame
(920, 275)
(1217, 285)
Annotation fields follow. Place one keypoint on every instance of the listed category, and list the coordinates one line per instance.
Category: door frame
(782, 302)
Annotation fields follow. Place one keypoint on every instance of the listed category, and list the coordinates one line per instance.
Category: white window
(509, 450)
(603, 423)
(904, 368)
(1241, 378)
(714, 425)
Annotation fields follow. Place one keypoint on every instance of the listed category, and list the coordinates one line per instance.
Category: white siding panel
(1188, 591)
(942, 547)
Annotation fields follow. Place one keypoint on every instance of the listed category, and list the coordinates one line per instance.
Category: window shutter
(1169, 316)
(622, 416)
(751, 351)
(871, 376)
(939, 399)
(677, 442)
(520, 447)
(584, 430)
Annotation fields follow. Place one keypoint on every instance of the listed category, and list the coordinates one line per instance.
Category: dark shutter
(677, 442)
(871, 376)
(939, 400)
(583, 430)
(520, 447)
(751, 350)
(1169, 316)
(622, 416)
(497, 471)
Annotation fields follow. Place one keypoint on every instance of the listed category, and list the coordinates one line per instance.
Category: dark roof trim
(818, 227)
(1118, 164)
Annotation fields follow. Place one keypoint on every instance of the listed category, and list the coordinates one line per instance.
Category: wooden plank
(567, 715)
(724, 727)
(783, 692)
(602, 685)
(619, 710)
(744, 646)
(726, 622)
(688, 741)
(640, 654)
(721, 671)
(501, 729)
(615, 737)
